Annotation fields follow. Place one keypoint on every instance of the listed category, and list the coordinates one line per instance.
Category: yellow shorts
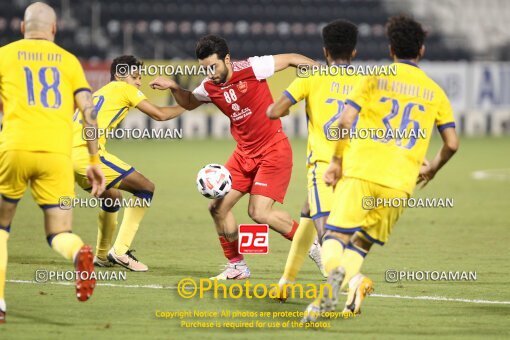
(354, 210)
(114, 169)
(50, 176)
(320, 196)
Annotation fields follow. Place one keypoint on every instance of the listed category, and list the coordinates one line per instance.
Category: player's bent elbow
(158, 117)
(453, 146)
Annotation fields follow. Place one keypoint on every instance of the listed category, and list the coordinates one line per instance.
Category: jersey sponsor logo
(253, 238)
(238, 115)
(226, 87)
(242, 86)
(236, 107)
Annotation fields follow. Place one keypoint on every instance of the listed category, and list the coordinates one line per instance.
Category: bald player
(39, 85)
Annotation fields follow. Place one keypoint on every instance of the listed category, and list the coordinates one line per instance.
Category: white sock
(3, 306)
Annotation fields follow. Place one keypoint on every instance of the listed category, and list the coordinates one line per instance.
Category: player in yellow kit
(112, 103)
(39, 84)
(325, 92)
(381, 169)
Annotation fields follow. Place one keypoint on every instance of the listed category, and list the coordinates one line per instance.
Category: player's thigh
(136, 182)
(15, 171)
(57, 220)
(273, 174)
(347, 213)
(320, 196)
(53, 180)
(114, 169)
(239, 167)
(380, 221)
(222, 206)
(259, 205)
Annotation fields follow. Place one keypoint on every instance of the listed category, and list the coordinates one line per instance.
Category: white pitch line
(439, 298)
(497, 174)
(429, 298)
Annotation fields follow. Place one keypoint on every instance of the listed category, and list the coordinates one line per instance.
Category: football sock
(106, 228)
(352, 260)
(301, 243)
(132, 217)
(231, 250)
(290, 234)
(66, 244)
(332, 251)
(4, 236)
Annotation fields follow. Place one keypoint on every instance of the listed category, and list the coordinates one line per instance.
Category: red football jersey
(244, 99)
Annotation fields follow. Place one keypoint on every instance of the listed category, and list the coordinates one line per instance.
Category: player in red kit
(261, 164)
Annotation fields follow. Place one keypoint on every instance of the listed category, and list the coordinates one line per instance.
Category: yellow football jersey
(112, 103)
(401, 110)
(38, 80)
(325, 95)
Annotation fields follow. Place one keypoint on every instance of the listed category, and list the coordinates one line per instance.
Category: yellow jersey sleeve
(78, 80)
(298, 90)
(444, 117)
(133, 95)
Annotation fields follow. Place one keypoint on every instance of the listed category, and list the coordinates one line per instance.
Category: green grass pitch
(177, 240)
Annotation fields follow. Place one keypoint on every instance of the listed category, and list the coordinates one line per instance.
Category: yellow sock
(332, 251)
(352, 260)
(106, 229)
(66, 244)
(130, 222)
(301, 243)
(4, 236)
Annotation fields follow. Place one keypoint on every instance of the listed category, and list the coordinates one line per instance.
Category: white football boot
(234, 271)
(315, 254)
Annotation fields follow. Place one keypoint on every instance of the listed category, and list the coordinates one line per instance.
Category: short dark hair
(211, 44)
(124, 60)
(340, 38)
(406, 36)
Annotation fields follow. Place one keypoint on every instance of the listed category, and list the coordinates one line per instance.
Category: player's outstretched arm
(279, 109)
(160, 113)
(449, 148)
(184, 98)
(282, 61)
(95, 175)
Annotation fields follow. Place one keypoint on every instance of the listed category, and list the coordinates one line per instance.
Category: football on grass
(214, 181)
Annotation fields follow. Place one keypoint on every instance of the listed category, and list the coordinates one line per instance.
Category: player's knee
(112, 193)
(111, 200)
(144, 195)
(215, 210)
(149, 186)
(257, 214)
